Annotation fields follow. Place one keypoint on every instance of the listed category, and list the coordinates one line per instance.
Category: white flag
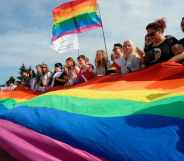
(66, 43)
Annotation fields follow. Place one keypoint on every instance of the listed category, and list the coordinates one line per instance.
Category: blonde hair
(135, 50)
(132, 44)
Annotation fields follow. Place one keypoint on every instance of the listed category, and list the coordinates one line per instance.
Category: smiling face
(127, 48)
(156, 37)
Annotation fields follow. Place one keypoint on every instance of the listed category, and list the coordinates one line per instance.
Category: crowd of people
(125, 58)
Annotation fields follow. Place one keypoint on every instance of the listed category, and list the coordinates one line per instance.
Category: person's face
(182, 24)
(45, 69)
(148, 40)
(117, 51)
(117, 55)
(69, 63)
(127, 48)
(155, 37)
(58, 69)
(99, 56)
(81, 61)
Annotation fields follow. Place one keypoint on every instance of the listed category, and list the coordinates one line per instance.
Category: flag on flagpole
(70, 19)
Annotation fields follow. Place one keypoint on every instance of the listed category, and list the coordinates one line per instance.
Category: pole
(103, 32)
(78, 51)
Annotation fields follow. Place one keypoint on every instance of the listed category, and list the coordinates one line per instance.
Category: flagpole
(78, 49)
(78, 52)
(103, 32)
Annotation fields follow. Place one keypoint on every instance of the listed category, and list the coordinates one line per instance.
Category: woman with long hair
(131, 60)
(101, 63)
(71, 71)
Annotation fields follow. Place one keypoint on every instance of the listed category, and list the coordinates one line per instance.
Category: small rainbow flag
(72, 18)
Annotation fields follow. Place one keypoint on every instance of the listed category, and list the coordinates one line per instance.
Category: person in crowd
(150, 56)
(125, 58)
(91, 66)
(46, 77)
(36, 82)
(31, 72)
(31, 79)
(131, 60)
(71, 71)
(86, 70)
(160, 50)
(10, 81)
(147, 43)
(182, 27)
(58, 77)
(117, 57)
(10, 85)
(141, 55)
(178, 50)
(113, 68)
(101, 63)
(26, 78)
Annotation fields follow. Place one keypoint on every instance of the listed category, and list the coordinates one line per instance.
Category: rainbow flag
(137, 117)
(72, 18)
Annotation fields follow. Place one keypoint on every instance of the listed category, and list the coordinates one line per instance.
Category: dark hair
(158, 25)
(112, 57)
(58, 65)
(118, 45)
(81, 57)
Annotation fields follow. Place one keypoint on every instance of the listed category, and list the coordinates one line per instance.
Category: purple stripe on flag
(25, 144)
(81, 29)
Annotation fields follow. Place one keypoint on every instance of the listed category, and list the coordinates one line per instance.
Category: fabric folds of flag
(72, 18)
(137, 117)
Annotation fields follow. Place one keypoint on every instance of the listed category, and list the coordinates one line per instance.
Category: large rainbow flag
(135, 117)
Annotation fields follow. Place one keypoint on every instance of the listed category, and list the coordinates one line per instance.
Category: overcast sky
(25, 29)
